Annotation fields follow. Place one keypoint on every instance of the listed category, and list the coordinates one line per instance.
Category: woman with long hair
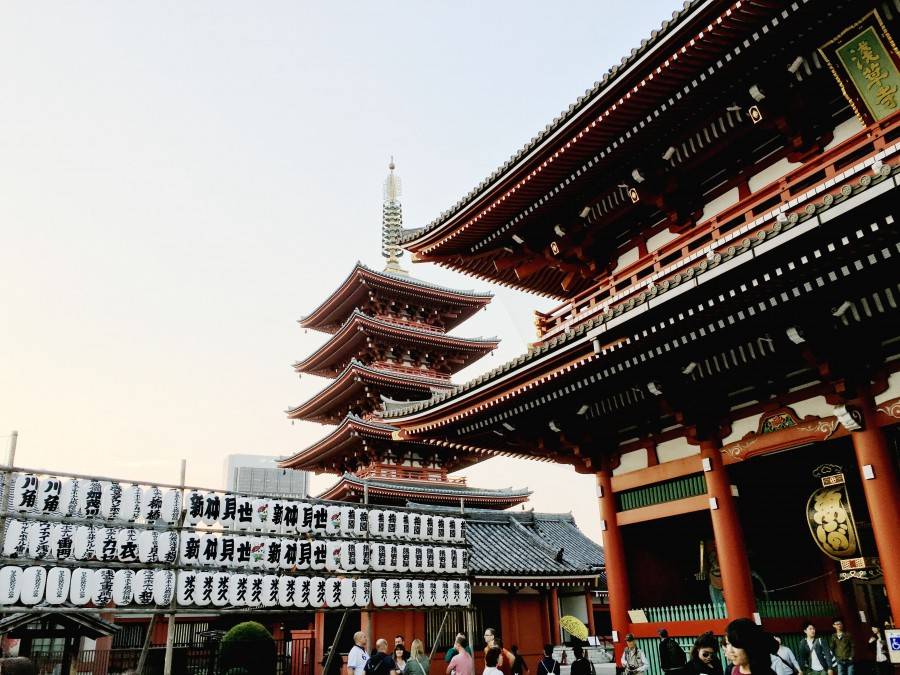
(704, 658)
(418, 662)
(749, 648)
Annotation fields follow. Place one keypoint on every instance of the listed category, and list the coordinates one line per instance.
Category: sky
(180, 182)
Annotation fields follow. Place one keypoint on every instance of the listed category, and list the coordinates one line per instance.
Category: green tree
(248, 647)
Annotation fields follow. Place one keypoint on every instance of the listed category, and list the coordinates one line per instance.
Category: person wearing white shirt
(356, 659)
(784, 662)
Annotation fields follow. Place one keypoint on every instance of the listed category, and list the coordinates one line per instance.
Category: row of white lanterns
(100, 587)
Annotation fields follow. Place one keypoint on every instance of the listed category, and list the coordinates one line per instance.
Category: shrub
(247, 649)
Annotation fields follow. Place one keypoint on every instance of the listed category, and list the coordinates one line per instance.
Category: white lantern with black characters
(238, 590)
(49, 490)
(131, 503)
(25, 493)
(127, 545)
(123, 587)
(107, 544)
(317, 592)
(81, 586)
(333, 522)
(186, 589)
(102, 587)
(287, 590)
(58, 579)
(10, 584)
(303, 590)
(34, 582)
(39, 534)
(143, 586)
(348, 592)
(163, 587)
(270, 590)
(380, 592)
(111, 501)
(206, 586)
(363, 592)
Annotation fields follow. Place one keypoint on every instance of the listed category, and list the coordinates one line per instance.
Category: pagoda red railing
(409, 473)
(826, 174)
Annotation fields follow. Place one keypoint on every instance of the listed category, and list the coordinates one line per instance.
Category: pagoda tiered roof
(352, 341)
(451, 306)
(358, 390)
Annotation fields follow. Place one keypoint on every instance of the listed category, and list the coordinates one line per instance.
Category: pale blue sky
(180, 181)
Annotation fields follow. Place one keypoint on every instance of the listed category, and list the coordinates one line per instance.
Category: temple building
(717, 220)
(387, 345)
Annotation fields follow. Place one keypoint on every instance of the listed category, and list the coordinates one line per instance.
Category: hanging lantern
(291, 517)
(362, 522)
(415, 526)
(379, 592)
(205, 589)
(289, 550)
(31, 590)
(466, 593)
(390, 524)
(102, 587)
(348, 556)
(186, 589)
(428, 528)
(170, 511)
(163, 587)
(243, 517)
(84, 542)
(221, 587)
(255, 593)
(193, 507)
(61, 539)
(10, 584)
(460, 530)
(127, 545)
(123, 588)
(107, 546)
(227, 550)
(262, 515)
(406, 592)
(270, 590)
(428, 559)
(403, 525)
(393, 562)
(319, 518)
(81, 586)
(302, 594)
(243, 547)
(319, 555)
(190, 548)
(363, 593)
(417, 558)
(257, 552)
(209, 550)
(317, 592)
(276, 518)
(333, 556)
(25, 493)
(418, 595)
(151, 504)
(378, 523)
(393, 593)
(333, 592)
(168, 547)
(131, 503)
(440, 528)
(111, 501)
(333, 522)
(430, 593)
(451, 529)
(378, 557)
(219, 508)
(49, 489)
(148, 546)
(39, 539)
(90, 498)
(15, 539)
(348, 593)
(272, 553)
(58, 579)
(238, 590)
(363, 555)
(463, 561)
(143, 587)
(404, 557)
(304, 553)
(348, 520)
(443, 591)
(68, 497)
(305, 523)
(441, 562)
(287, 590)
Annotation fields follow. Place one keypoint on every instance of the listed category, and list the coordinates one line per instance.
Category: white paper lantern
(291, 517)
(228, 511)
(81, 586)
(15, 539)
(440, 559)
(379, 592)
(348, 556)
(262, 515)
(319, 555)
(463, 557)
(242, 547)
(287, 590)
(418, 595)
(304, 554)
(390, 524)
(276, 520)
(272, 553)
(362, 522)
(255, 590)
(406, 592)
(404, 525)
(143, 587)
(107, 546)
(102, 587)
(58, 579)
(440, 528)
(452, 532)
(163, 587)
(430, 593)
(348, 520)
(302, 594)
(228, 545)
(417, 558)
(317, 592)
(186, 591)
(333, 592)
(428, 562)
(270, 590)
(363, 593)
(10, 584)
(49, 490)
(404, 557)
(257, 552)
(90, 498)
(333, 556)
(123, 587)
(428, 528)
(443, 591)
(304, 525)
(460, 530)
(148, 546)
(190, 548)
(170, 511)
(61, 536)
(363, 555)
(333, 520)
(208, 555)
(393, 593)
(39, 539)
(379, 557)
(466, 593)
(151, 504)
(25, 493)
(206, 587)
(415, 526)
(289, 551)
(243, 519)
(376, 522)
(214, 506)
(319, 519)
(348, 593)
(131, 503)
(111, 501)
(193, 507)
(392, 555)
(34, 581)
(238, 590)
(68, 497)
(168, 547)
(127, 545)
(84, 542)
(221, 588)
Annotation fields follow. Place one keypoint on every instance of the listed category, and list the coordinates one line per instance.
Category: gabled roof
(344, 439)
(329, 405)
(333, 312)
(84, 623)
(359, 326)
(433, 491)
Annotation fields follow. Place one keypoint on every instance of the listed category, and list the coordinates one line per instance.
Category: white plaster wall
(630, 256)
(740, 428)
(719, 204)
(813, 406)
(574, 605)
(771, 173)
(845, 130)
(632, 461)
(675, 449)
(893, 390)
(660, 239)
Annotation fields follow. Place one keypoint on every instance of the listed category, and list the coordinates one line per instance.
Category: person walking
(633, 658)
(784, 662)
(749, 648)
(358, 656)
(878, 645)
(380, 662)
(814, 655)
(418, 662)
(704, 658)
(581, 665)
(548, 665)
(841, 645)
(671, 655)
(462, 662)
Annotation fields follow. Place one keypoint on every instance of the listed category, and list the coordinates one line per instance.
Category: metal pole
(7, 479)
(170, 622)
(438, 636)
(143, 657)
(337, 638)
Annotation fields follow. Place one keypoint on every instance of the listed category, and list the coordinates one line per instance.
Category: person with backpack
(672, 658)
(581, 665)
(548, 665)
(380, 662)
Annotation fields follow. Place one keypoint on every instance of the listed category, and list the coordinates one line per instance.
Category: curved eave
(344, 488)
(359, 324)
(333, 311)
(320, 408)
(349, 431)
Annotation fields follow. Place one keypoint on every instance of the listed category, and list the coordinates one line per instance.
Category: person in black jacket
(581, 665)
(814, 655)
(380, 662)
(671, 656)
(548, 665)
(705, 656)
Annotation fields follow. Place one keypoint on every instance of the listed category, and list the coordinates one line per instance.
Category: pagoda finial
(392, 222)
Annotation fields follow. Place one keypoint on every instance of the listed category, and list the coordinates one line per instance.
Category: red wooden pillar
(614, 554)
(736, 582)
(882, 492)
(589, 602)
(514, 638)
(319, 641)
(545, 619)
(554, 616)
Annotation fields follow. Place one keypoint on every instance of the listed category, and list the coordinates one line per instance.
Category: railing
(777, 609)
(405, 473)
(770, 609)
(674, 613)
(679, 488)
(835, 168)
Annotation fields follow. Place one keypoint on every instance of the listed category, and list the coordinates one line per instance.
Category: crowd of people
(749, 650)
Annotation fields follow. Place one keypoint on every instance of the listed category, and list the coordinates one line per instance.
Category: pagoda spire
(392, 222)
